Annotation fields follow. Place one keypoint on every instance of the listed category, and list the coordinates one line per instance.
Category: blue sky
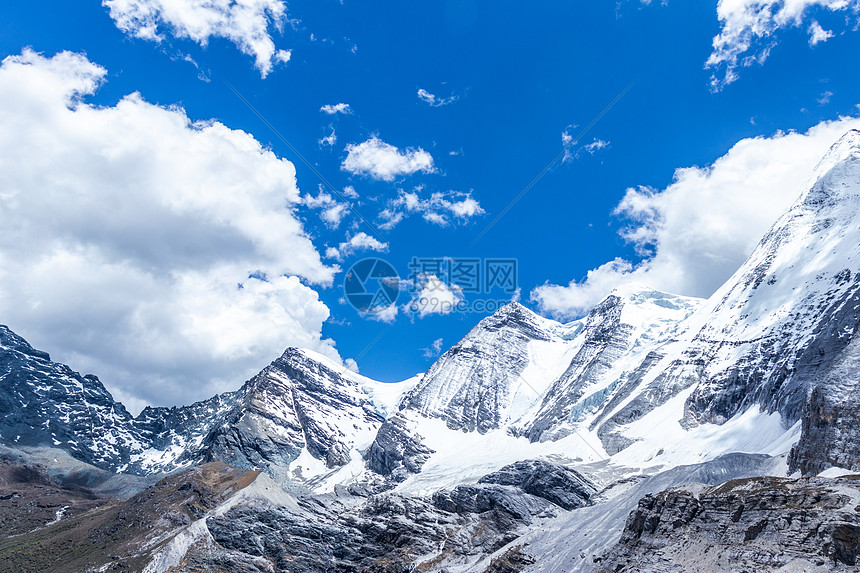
(509, 78)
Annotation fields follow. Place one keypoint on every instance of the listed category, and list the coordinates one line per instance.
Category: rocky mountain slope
(218, 518)
(301, 403)
(46, 403)
(754, 524)
(616, 336)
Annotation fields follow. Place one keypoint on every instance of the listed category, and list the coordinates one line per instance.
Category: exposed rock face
(299, 401)
(831, 418)
(396, 452)
(295, 402)
(555, 483)
(46, 403)
(386, 532)
(512, 561)
(575, 541)
(757, 524)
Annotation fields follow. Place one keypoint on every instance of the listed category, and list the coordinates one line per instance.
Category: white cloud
(571, 151)
(695, 233)
(329, 139)
(333, 109)
(387, 315)
(361, 241)
(440, 208)
(332, 212)
(434, 296)
(824, 98)
(567, 143)
(434, 350)
(143, 246)
(595, 146)
(817, 34)
(244, 22)
(385, 162)
(465, 208)
(749, 27)
(333, 215)
(434, 100)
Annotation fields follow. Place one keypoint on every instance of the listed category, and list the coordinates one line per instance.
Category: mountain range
(525, 431)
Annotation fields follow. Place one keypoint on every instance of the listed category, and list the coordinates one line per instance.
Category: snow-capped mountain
(301, 416)
(301, 405)
(765, 338)
(658, 380)
(301, 408)
(46, 403)
(501, 367)
(615, 338)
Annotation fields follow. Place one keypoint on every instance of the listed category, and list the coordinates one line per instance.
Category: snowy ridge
(302, 416)
(616, 336)
(763, 338)
(301, 406)
(479, 385)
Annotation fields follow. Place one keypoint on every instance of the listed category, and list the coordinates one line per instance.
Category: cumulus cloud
(383, 161)
(749, 27)
(336, 108)
(695, 233)
(440, 208)
(361, 241)
(434, 296)
(433, 100)
(332, 212)
(246, 23)
(161, 253)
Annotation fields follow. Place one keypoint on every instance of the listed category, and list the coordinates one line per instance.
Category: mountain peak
(630, 288)
(513, 308)
(847, 146)
(640, 303)
(515, 313)
(11, 341)
(835, 177)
